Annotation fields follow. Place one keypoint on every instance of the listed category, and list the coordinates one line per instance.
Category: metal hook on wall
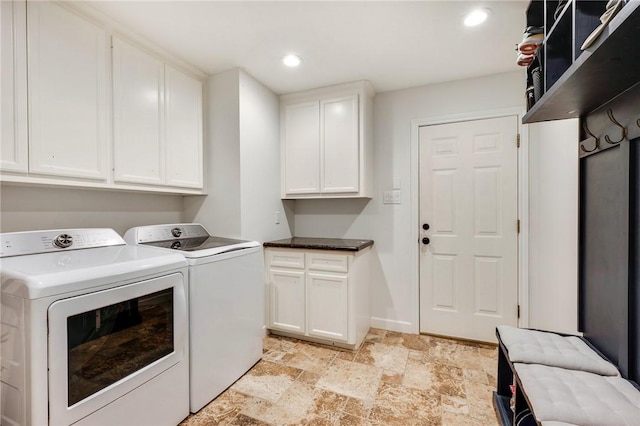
(614, 121)
(588, 132)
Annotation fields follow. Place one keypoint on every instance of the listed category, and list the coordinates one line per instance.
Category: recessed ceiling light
(292, 60)
(476, 17)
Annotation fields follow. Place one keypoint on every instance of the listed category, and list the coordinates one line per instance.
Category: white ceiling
(393, 44)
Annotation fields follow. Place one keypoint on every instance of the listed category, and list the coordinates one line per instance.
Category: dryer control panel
(23, 243)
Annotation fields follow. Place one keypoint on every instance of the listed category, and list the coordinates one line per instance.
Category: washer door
(103, 345)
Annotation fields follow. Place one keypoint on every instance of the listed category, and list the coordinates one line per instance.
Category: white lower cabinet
(287, 300)
(328, 306)
(319, 295)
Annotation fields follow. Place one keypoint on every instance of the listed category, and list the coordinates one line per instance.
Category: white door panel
(327, 306)
(67, 93)
(183, 109)
(302, 148)
(138, 88)
(287, 300)
(13, 137)
(340, 144)
(468, 196)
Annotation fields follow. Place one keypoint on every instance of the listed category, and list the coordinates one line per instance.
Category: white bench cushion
(577, 397)
(539, 347)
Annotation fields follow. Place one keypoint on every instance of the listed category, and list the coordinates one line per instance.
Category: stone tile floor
(394, 379)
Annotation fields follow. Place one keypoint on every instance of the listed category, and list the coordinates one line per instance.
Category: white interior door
(468, 199)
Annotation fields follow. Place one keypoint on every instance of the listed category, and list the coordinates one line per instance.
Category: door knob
(425, 226)
(425, 241)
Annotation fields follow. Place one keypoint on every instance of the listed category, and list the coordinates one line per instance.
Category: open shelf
(577, 82)
(558, 49)
(501, 405)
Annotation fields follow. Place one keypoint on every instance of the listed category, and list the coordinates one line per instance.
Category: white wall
(26, 208)
(394, 305)
(242, 143)
(553, 225)
(260, 164)
(243, 160)
(219, 211)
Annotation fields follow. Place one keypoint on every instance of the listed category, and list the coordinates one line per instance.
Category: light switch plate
(391, 197)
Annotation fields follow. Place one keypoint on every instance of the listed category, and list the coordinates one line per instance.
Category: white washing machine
(226, 303)
(94, 331)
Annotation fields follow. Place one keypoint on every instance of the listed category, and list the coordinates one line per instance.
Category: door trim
(523, 204)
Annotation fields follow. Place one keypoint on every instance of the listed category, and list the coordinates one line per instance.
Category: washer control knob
(63, 241)
(176, 232)
(176, 245)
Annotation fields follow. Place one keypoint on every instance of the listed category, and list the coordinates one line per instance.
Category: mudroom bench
(559, 380)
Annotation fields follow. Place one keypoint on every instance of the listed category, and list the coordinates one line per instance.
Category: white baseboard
(393, 325)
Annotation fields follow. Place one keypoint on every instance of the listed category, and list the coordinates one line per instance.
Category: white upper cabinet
(326, 142)
(13, 151)
(67, 85)
(157, 114)
(302, 146)
(82, 107)
(183, 129)
(340, 145)
(138, 89)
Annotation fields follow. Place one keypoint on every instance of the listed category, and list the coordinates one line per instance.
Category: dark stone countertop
(320, 244)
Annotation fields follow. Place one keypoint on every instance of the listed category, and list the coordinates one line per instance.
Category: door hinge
(518, 225)
(518, 312)
(518, 140)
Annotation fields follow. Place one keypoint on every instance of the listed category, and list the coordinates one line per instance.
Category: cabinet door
(327, 306)
(13, 151)
(138, 81)
(340, 145)
(302, 148)
(67, 84)
(286, 310)
(183, 118)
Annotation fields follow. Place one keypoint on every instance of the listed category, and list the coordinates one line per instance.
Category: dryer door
(107, 343)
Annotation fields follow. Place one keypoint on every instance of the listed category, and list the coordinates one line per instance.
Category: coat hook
(624, 130)
(588, 132)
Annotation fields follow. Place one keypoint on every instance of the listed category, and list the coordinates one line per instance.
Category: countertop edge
(320, 246)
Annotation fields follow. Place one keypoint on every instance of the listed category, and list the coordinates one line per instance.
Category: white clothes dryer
(226, 303)
(94, 331)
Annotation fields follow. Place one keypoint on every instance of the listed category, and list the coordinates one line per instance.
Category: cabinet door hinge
(518, 225)
(518, 140)
(518, 311)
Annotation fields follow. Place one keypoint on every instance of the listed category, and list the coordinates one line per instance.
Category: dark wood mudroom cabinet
(601, 86)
